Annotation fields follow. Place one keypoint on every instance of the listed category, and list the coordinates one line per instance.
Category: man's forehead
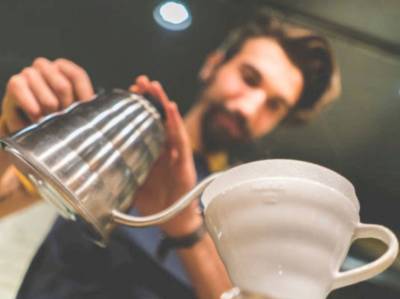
(257, 45)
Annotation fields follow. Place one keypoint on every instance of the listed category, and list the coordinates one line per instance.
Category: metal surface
(90, 159)
(168, 213)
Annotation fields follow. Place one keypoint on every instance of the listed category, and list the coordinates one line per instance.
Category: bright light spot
(173, 12)
(172, 15)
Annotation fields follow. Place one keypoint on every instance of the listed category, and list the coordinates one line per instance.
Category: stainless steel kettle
(90, 159)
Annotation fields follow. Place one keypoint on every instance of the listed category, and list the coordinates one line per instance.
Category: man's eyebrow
(284, 102)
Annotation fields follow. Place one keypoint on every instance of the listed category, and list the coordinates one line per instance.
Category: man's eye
(250, 77)
(274, 105)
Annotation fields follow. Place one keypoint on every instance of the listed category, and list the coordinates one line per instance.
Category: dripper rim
(220, 185)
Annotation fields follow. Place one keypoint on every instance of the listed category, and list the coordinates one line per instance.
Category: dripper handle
(165, 215)
(371, 269)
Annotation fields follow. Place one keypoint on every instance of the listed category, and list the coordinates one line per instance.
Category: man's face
(247, 96)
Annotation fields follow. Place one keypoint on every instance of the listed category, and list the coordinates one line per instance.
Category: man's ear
(211, 63)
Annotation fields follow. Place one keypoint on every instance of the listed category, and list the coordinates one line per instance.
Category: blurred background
(358, 136)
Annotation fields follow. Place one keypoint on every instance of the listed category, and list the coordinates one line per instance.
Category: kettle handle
(168, 213)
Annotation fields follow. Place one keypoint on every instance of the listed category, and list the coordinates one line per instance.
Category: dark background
(358, 136)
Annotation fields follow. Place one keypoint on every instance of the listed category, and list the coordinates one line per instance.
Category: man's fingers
(178, 139)
(177, 134)
(58, 83)
(15, 122)
(80, 79)
(134, 88)
(18, 92)
(41, 90)
(143, 84)
(158, 92)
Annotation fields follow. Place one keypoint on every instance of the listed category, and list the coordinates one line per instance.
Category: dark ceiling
(113, 40)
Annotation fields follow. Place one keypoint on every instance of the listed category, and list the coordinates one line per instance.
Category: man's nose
(248, 104)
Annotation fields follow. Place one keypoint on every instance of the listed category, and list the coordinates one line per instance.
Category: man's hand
(43, 88)
(174, 173)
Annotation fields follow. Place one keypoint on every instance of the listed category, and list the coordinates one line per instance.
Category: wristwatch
(168, 243)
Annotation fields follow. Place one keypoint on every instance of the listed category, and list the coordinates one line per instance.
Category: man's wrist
(3, 127)
(183, 242)
(182, 225)
(185, 222)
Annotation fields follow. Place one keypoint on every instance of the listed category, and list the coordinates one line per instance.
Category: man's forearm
(13, 196)
(205, 269)
(3, 127)
(4, 162)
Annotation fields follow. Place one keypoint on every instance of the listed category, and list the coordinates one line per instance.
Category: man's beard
(216, 137)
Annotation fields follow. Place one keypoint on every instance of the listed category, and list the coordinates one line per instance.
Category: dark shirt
(68, 265)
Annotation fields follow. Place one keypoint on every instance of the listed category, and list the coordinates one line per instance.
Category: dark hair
(309, 52)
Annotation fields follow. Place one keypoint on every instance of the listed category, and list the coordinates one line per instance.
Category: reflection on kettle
(89, 159)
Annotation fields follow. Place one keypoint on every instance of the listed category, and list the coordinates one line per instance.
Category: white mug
(284, 227)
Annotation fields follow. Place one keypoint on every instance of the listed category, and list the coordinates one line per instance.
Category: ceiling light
(172, 15)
